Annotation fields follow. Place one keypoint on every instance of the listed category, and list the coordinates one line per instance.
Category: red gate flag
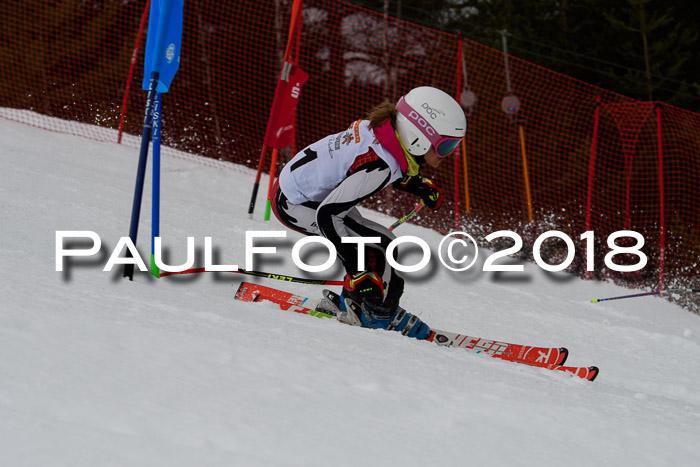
(280, 126)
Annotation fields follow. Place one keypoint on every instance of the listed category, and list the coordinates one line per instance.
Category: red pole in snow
(457, 159)
(591, 171)
(662, 203)
(295, 21)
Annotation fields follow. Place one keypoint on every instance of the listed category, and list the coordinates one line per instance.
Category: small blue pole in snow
(644, 294)
(167, 23)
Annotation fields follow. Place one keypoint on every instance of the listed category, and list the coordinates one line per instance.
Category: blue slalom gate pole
(155, 198)
(141, 171)
(165, 25)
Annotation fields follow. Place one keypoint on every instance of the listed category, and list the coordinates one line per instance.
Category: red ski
(551, 358)
(248, 292)
(502, 350)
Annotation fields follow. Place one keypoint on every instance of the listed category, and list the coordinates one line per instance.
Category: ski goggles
(443, 145)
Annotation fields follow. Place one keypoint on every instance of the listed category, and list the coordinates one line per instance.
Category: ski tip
(563, 355)
(593, 373)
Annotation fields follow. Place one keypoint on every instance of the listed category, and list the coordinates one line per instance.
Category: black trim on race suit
(280, 206)
(328, 210)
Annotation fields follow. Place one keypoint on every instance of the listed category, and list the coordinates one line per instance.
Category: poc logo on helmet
(413, 115)
(429, 110)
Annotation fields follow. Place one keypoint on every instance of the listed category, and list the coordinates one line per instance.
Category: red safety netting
(595, 160)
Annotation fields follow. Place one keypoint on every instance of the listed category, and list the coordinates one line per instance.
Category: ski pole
(653, 292)
(408, 216)
(267, 275)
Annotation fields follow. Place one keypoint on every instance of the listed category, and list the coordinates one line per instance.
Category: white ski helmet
(429, 117)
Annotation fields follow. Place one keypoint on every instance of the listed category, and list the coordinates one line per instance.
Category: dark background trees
(645, 49)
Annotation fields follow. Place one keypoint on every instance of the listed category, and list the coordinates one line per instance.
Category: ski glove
(424, 188)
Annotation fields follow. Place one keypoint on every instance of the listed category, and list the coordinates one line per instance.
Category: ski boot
(382, 316)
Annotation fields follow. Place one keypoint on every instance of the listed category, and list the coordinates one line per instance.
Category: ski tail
(249, 292)
(586, 372)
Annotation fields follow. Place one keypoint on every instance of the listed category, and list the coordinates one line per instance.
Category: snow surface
(96, 370)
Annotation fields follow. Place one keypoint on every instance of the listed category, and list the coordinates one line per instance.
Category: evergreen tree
(639, 48)
(656, 45)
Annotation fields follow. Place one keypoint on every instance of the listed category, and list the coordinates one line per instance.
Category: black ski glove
(424, 188)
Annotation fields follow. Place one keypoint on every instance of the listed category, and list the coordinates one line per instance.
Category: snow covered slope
(96, 370)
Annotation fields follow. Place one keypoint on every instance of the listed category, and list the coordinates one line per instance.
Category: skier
(318, 191)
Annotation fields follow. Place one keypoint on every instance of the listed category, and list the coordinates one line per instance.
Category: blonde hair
(382, 112)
